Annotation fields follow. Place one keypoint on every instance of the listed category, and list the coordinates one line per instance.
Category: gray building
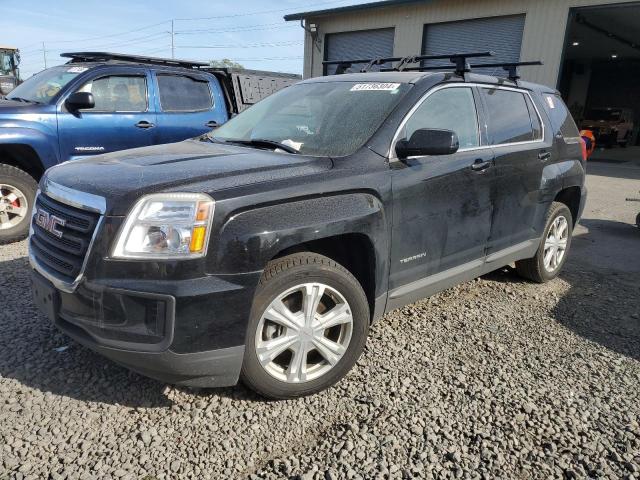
(590, 48)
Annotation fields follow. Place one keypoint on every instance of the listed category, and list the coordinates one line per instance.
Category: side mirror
(80, 101)
(428, 141)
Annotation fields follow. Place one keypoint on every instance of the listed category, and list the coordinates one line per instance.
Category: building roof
(349, 8)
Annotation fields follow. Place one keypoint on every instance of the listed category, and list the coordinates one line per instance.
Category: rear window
(508, 117)
(184, 94)
(561, 119)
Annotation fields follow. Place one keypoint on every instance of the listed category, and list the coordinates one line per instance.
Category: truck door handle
(144, 124)
(544, 156)
(212, 124)
(480, 165)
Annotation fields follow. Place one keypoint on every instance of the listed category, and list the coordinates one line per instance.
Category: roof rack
(77, 57)
(510, 67)
(459, 61)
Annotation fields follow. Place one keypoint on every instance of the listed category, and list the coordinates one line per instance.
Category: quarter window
(508, 117)
(118, 93)
(184, 94)
(448, 109)
(561, 119)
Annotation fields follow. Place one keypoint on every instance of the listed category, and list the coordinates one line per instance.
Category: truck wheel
(554, 247)
(17, 194)
(308, 327)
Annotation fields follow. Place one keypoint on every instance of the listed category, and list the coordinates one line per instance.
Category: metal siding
(502, 35)
(360, 44)
(543, 36)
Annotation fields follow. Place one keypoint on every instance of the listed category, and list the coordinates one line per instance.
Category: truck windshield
(43, 86)
(322, 119)
(6, 63)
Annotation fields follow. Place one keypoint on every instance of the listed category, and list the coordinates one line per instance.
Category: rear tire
(552, 253)
(296, 298)
(17, 195)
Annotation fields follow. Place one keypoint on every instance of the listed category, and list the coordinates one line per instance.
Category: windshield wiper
(261, 142)
(20, 99)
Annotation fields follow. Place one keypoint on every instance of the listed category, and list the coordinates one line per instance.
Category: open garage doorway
(600, 72)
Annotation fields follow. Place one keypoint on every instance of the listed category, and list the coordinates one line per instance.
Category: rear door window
(561, 119)
(179, 93)
(508, 116)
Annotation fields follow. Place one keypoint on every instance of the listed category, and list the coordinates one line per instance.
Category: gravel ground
(496, 378)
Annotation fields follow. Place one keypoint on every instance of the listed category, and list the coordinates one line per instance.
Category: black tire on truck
(17, 194)
(298, 295)
(545, 265)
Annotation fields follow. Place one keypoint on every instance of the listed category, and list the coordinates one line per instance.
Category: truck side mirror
(80, 101)
(428, 141)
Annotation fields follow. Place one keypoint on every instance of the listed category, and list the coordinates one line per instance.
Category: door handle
(144, 124)
(544, 156)
(212, 124)
(480, 165)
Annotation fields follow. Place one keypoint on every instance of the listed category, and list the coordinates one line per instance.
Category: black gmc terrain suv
(264, 250)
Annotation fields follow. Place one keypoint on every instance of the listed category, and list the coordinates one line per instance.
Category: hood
(10, 107)
(189, 166)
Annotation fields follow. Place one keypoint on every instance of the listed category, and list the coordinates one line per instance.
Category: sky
(251, 32)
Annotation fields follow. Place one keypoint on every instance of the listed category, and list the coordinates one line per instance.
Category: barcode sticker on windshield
(375, 87)
(77, 69)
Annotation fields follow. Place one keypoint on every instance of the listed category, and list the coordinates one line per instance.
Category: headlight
(166, 226)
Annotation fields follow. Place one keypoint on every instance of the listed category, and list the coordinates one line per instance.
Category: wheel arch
(349, 228)
(570, 196)
(24, 157)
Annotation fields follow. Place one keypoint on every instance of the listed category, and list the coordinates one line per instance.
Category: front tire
(308, 327)
(17, 194)
(548, 261)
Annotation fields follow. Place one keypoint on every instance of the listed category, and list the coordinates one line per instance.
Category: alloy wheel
(304, 332)
(555, 244)
(14, 206)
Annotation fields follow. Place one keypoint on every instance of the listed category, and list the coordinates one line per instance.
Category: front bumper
(187, 332)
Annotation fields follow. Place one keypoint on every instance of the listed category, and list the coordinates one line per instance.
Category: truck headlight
(166, 226)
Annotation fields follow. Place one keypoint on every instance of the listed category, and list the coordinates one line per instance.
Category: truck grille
(62, 253)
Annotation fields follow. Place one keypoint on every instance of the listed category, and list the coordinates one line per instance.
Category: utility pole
(44, 55)
(173, 48)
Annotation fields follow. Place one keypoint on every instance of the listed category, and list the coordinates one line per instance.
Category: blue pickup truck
(103, 102)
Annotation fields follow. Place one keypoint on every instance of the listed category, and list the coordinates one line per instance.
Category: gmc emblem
(49, 222)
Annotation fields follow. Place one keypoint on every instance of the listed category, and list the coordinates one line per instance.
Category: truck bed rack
(79, 57)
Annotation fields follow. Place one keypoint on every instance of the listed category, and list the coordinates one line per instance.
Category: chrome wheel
(14, 206)
(304, 333)
(555, 244)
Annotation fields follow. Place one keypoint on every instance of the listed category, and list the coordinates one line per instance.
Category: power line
(247, 28)
(250, 45)
(217, 17)
(111, 35)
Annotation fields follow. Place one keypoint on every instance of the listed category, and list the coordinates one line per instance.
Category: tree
(224, 63)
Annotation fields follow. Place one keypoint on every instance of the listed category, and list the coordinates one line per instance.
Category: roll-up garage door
(358, 45)
(501, 35)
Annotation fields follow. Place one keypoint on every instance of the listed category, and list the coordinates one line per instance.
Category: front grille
(63, 255)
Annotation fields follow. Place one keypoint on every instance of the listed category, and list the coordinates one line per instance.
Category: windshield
(6, 63)
(603, 114)
(321, 119)
(43, 86)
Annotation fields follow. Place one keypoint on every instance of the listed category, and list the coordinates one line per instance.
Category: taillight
(583, 147)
